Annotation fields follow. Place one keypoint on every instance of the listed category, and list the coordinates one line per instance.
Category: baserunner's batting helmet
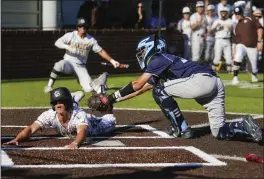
(61, 94)
(81, 22)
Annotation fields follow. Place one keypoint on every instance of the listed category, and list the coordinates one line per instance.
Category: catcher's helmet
(81, 22)
(61, 94)
(147, 48)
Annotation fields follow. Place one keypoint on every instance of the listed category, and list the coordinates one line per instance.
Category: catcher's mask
(147, 48)
(62, 95)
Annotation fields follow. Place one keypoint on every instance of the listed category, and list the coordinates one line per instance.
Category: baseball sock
(51, 82)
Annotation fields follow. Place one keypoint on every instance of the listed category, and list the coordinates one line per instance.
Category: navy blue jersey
(173, 67)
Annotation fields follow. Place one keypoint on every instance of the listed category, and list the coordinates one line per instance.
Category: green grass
(29, 92)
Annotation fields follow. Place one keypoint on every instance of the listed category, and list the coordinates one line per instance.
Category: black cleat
(252, 128)
(187, 134)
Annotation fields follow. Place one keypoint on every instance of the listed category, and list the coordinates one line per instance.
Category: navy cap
(238, 11)
(81, 22)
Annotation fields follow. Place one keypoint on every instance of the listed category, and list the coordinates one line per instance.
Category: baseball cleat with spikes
(187, 134)
(252, 128)
(100, 81)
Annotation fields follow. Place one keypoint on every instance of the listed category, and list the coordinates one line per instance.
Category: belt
(207, 74)
(224, 38)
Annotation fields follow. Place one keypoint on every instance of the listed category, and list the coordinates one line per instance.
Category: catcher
(69, 120)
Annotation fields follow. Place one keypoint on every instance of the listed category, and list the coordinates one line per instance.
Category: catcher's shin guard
(171, 110)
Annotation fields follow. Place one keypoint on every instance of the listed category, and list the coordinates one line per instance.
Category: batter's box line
(212, 161)
(159, 133)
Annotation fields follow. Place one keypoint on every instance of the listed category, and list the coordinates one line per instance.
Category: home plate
(108, 143)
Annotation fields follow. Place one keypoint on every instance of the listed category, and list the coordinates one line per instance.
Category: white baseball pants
(207, 90)
(68, 67)
(252, 54)
(197, 47)
(223, 46)
(101, 125)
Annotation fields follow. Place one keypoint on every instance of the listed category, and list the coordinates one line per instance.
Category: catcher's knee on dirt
(169, 107)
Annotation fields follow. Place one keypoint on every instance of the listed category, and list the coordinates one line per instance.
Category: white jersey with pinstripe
(96, 125)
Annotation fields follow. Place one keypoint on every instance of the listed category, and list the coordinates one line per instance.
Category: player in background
(222, 28)
(184, 26)
(68, 120)
(173, 76)
(198, 26)
(220, 5)
(77, 45)
(257, 13)
(248, 40)
(210, 39)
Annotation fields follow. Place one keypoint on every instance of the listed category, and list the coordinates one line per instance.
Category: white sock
(51, 82)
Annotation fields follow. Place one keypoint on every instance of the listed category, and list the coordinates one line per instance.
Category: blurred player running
(77, 45)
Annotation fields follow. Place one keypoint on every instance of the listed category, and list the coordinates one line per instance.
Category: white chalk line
(229, 120)
(5, 159)
(112, 165)
(212, 161)
(149, 128)
(228, 157)
(160, 133)
(125, 109)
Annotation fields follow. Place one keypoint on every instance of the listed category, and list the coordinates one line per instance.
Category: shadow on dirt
(165, 173)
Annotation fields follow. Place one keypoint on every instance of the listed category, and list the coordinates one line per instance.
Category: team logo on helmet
(82, 21)
(57, 94)
(148, 47)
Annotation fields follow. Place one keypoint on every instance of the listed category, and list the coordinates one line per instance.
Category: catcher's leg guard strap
(228, 130)
(169, 107)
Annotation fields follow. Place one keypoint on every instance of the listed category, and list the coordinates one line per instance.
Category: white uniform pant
(207, 90)
(187, 47)
(223, 47)
(209, 54)
(197, 46)
(67, 67)
(252, 54)
(101, 125)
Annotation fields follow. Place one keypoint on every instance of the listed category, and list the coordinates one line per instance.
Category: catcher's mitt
(99, 102)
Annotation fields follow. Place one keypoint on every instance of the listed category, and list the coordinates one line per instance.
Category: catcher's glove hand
(100, 102)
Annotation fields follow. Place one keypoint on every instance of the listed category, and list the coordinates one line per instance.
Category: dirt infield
(138, 148)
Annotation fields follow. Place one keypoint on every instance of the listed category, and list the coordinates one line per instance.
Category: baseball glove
(99, 102)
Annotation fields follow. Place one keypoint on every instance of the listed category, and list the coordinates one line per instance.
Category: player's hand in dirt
(12, 142)
(72, 145)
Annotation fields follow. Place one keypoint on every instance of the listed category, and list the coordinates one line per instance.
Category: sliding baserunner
(68, 119)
